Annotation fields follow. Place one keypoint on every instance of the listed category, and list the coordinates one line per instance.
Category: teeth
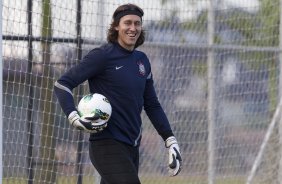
(131, 35)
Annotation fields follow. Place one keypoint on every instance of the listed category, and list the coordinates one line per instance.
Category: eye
(137, 23)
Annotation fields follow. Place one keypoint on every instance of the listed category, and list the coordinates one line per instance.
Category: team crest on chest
(142, 70)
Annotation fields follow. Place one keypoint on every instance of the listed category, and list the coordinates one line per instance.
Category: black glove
(87, 124)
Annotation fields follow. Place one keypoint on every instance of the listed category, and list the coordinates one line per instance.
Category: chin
(132, 44)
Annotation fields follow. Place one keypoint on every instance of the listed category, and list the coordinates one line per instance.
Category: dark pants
(116, 162)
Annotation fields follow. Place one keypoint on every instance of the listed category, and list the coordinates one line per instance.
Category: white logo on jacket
(118, 67)
(142, 70)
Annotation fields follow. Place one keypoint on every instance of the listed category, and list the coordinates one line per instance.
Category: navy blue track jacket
(125, 78)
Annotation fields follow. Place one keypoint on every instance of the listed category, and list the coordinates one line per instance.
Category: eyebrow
(129, 20)
(132, 21)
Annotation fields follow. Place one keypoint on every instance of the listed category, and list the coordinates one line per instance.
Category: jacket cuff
(166, 134)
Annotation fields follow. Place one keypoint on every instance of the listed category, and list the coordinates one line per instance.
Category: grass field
(144, 180)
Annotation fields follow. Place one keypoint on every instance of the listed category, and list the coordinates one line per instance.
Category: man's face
(129, 30)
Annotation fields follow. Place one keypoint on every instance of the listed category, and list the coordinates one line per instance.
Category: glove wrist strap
(73, 116)
(170, 141)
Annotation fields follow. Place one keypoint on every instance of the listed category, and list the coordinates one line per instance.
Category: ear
(116, 28)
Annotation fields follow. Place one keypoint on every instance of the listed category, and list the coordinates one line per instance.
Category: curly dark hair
(112, 34)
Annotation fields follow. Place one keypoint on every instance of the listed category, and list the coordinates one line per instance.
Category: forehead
(133, 18)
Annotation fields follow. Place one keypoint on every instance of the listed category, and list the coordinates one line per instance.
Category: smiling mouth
(132, 35)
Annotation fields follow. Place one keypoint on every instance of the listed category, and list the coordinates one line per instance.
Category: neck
(127, 47)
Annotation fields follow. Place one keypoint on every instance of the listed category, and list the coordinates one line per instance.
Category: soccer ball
(92, 104)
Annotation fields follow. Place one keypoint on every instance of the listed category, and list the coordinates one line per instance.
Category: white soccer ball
(92, 104)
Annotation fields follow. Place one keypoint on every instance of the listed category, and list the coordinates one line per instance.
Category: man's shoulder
(140, 54)
(101, 51)
(107, 47)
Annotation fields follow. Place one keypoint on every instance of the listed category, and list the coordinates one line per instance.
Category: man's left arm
(159, 120)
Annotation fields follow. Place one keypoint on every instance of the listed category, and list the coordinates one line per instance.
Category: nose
(133, 27)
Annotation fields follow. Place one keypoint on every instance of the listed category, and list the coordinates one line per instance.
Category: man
(122, 74)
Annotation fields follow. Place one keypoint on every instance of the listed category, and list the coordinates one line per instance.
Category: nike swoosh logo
(118, 67)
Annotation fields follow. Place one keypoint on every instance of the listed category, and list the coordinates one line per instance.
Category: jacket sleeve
(91, 65)
(154, 110)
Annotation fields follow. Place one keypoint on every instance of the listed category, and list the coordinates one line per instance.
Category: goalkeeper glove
(174, 157)
(86, 124)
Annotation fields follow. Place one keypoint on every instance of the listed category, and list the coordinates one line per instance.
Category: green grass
(144, 180)
(189, 180)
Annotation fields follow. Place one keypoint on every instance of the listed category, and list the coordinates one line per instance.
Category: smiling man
(123, 75)
(129, 30)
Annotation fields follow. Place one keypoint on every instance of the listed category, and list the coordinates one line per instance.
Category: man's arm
(158, 118)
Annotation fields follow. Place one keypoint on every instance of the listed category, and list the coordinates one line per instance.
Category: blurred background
(217, 71)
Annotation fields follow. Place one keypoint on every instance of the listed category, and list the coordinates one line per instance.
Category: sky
(252, 4)
(97, 14)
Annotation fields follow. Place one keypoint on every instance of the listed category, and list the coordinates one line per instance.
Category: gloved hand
(86, 124)
(174, 157)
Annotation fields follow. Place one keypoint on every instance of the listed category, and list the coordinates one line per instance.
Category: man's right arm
(66, 101)
(65, 98)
